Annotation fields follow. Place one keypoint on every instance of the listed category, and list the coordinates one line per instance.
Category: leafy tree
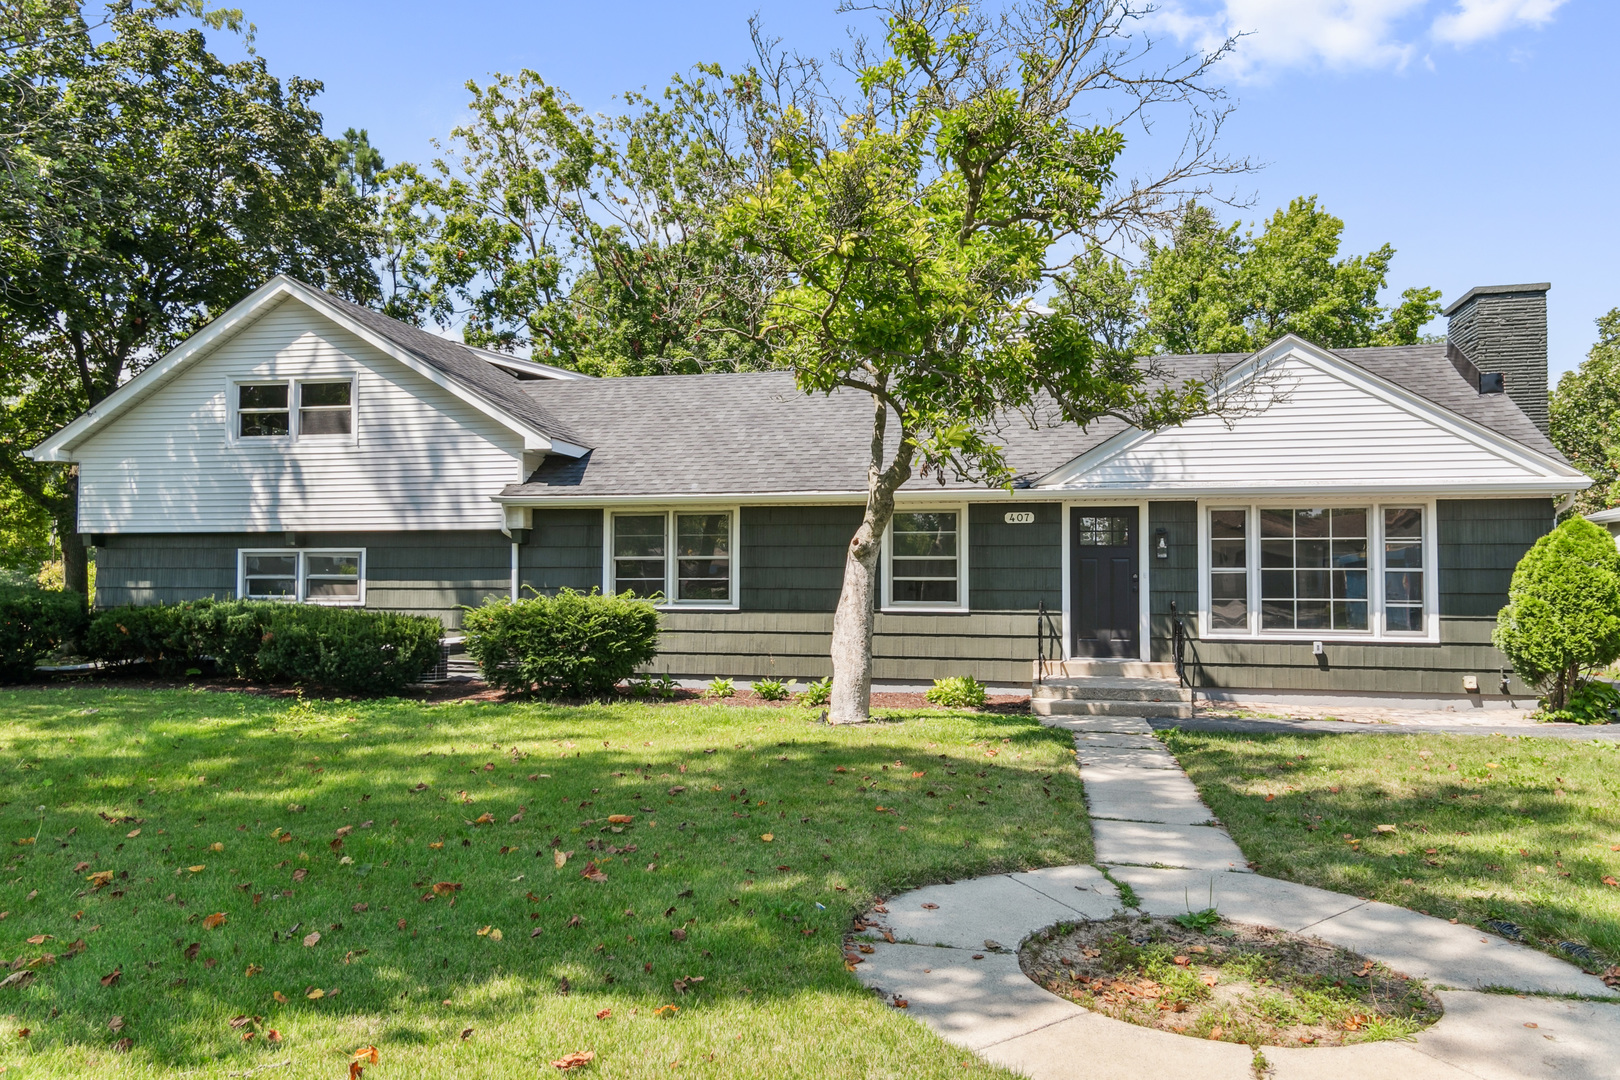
(25, 534)
(589, 240)
(1562, 619)
(1209, 289)
(1585, 414)
(914, 225)
(145, 185)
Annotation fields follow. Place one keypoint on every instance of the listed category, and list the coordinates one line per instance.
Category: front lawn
(403, 860)
(1519, 829)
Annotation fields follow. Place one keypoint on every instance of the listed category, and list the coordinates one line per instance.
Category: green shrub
(348, 649)
(957, 692)
(1593, 702)
(33, 624)
(771, 689)
(817, 693)
(721, 688)
(1562, 619)
(569, 645)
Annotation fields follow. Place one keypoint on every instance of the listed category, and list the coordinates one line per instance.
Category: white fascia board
(530, 367)
(1531, 460)
(59, 447)
(1604, 517)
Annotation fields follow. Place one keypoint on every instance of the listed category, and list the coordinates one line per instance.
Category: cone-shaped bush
(1563, 614)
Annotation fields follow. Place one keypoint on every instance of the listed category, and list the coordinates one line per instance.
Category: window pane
(1349, 584)
(939, 521)
(332, 589)
(1404, 555)
(702, 534)
(1313, 584)
(925, 568)
(1313, 615)
(1404, 619)
(258, 425)
(1349, 616)
(1349, 523)
(324, 421)
(324, 393)
(1405, 587)
(639, 535)
(1227, 553)
(924, 534)
(1227, 524)
(271, 565)
(1277, 614)
(1311, 553)
(276, 587)
(924, 592)
(1349, 553)
(1276, 523)
(344, 564)
(703, 579)
(1310, 522)
(1111, 530)
(268, 396)
(1277, 583)
(1229, 601)
(1407, 522)
(1277, 553)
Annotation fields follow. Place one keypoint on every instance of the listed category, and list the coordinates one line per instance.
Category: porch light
(1161, 543)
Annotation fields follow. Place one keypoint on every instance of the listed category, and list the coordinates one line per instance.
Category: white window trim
(302, 573)
(1377, 630)
(670, 569)
(888, 602)
(294, 384)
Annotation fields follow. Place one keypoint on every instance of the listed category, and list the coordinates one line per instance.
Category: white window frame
(670, 567)
(295, 385)
(1377, 624)
(888, 602)
(302, 574)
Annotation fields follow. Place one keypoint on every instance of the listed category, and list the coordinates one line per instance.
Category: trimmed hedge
(33, 624)
(569, 645)
(364, 652)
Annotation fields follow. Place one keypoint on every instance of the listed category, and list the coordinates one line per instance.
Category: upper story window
(924, 560)
(295, 409)
(677, 557)
(1291, 571)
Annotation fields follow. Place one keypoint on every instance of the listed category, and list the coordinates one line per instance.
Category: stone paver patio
(954, 958)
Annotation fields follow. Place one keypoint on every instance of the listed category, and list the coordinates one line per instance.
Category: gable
(1326, 425)
(421, 457)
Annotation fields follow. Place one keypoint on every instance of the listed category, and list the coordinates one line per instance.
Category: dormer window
(295, 409)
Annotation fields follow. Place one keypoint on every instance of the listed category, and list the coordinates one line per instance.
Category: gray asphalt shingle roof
(755, 433)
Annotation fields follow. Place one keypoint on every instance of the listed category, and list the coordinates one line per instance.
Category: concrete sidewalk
(954, 958)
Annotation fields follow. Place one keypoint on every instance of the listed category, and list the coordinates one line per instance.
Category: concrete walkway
(954, 957)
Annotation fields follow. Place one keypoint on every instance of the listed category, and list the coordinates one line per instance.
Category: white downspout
(514, 571)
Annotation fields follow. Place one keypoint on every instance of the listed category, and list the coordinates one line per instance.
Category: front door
(1103, 561)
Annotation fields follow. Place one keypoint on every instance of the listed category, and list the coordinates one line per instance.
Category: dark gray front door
(1104, 576)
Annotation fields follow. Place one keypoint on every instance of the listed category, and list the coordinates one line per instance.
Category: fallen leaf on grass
(214, 921)
(280, 997)
(39, 939)
(312, 939)
(132, 834)
(100, 879)
(216, 847)
(367, 1054)
(591, 873)
(116, 1024)
(252, 970)
(604, 1014)
(446, 888)
(484, 819)
(577, 1060)
(1385, 828)
(436, 845)
(1609, 880)
(300, 874)
(767, 837)
(621, 819)
(112, 977)
(18, 979)
(316, 994)
(662, 1009)
(466, 1033)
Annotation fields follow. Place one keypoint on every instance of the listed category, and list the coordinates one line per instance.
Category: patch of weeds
(1230, 982)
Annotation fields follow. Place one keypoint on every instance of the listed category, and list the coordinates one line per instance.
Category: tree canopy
(145, 186)
(1585, 417)
(1207, 288)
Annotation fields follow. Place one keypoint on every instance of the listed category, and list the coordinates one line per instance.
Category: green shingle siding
(793, 556)
(1172, 579)
(1015, 567)
(564, 550)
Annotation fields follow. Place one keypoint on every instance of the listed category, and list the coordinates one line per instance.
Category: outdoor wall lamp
(1161, 543)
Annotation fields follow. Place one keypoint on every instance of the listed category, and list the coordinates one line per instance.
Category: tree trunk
(75, 558)
(851, 701)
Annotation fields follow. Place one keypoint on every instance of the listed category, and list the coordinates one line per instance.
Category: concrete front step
(1093, 667)
(1104, 688)
(1046, 706)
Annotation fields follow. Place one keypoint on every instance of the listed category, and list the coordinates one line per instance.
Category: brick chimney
(1502, 329)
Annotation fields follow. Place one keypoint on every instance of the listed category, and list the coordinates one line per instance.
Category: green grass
(763, 920)
(1522, 829)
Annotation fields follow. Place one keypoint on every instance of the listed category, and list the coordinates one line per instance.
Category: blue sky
(1479, 137)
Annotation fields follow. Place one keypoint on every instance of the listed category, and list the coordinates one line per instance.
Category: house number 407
(1019, 517)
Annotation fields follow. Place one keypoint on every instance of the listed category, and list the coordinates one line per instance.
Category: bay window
(677, 557)
(1277, 571)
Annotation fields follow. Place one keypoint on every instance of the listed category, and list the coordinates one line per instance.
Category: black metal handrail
(1044, 627)
(1178, 644)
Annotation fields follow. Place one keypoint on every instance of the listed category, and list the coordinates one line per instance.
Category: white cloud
(1476, 20)
(1342, 34)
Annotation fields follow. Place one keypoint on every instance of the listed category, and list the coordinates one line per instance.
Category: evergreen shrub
(569, 645)
(1562, 619)
(33, 624)
(348, 649)
(956, 692)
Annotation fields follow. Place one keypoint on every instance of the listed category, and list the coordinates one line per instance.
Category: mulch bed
(471, 690)
(1227, 981)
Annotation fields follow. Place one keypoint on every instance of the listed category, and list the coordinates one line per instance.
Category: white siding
(1325, 431)
(422, 459)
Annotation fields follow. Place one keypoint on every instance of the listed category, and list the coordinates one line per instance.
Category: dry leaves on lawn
(214, 921)
(591, 873)
(577, 1060)
(312, 939)
(621, 819)
(446, 888)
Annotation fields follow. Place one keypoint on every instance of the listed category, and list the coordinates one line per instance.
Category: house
(1355, 536)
